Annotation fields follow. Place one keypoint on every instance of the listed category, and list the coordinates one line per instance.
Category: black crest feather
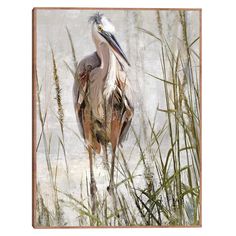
(96, 18)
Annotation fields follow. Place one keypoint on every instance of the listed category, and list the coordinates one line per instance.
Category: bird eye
(99, 27)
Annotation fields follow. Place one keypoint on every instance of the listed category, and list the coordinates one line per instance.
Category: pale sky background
(143, 53)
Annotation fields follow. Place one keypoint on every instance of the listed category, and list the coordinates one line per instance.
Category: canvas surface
(158, 168)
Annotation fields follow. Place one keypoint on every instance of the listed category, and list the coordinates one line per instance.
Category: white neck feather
(110, 82)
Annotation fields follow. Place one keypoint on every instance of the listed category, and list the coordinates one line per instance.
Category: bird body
(102, 95)
(101, 83)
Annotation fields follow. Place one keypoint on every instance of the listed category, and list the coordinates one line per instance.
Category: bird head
(103, 31)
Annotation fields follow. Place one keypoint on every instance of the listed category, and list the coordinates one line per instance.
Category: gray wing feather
(85, 66)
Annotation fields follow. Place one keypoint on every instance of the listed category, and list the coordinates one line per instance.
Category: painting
(116, 117)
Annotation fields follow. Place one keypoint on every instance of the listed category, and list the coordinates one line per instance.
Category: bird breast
(102, 85)
(110, 80)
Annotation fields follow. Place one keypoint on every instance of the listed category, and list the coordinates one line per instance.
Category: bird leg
(105, 162)
(105, 159)
(115, 134)
(93, 187)
(87, 125)
(111, 188)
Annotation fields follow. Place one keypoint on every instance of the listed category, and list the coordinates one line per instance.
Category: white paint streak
(110, 83)
(107, 26)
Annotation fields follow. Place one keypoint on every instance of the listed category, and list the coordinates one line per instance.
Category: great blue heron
(102, 97)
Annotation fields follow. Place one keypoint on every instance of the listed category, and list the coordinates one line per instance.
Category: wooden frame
(34, 115)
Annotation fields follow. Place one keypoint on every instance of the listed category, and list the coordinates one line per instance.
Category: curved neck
(102, 48)
(103, 52)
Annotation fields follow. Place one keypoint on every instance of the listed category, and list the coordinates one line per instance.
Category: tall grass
(182, 110)
(60, 111)
(170, 191)
(42, 211)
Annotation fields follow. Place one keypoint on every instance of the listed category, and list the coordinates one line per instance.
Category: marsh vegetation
(158, 175)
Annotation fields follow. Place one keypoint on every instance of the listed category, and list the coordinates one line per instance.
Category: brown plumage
(102, 97)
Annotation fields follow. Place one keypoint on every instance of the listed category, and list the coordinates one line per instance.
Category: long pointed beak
(114, 44)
